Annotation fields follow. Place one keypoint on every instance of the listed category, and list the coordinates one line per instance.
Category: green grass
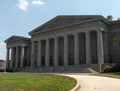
(35, 82)
(110, 74)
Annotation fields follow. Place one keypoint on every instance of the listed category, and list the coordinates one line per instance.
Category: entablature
(18, 43)
(76, 28)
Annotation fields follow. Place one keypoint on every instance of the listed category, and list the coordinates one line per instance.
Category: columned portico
(20, 55)
(21, 50)
(76, 51)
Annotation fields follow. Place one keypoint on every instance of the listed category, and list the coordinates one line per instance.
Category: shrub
(1, 70)
(18, 69)
(114, 68)
(107, 68)
(9, 70)
(14, 70)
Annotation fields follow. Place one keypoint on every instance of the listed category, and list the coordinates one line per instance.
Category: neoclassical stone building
(67, 40)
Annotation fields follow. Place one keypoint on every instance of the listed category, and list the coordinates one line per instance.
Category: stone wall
(114, 50)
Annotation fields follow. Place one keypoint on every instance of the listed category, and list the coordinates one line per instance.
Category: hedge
(114, 68)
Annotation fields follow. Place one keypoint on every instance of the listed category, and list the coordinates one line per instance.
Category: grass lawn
(111, 74)
(35, 82)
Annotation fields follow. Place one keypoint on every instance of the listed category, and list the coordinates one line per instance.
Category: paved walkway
(96, 83)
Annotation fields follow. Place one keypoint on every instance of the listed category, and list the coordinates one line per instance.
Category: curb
(76, 87)
(106, 76)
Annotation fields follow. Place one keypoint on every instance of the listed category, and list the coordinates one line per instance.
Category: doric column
(12, 57)
(66, 50)
(17, 57)
(32, 54)
(7, 58)
(100, 47)
(47, 53)
(22, 56)
(88, 47)
(39, 54)
(56, 52)
(76, 49)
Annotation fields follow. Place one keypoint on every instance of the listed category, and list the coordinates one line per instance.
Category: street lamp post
(5, 67)
(5, 63)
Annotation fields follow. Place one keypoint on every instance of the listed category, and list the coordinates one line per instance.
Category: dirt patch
(19, 89)
(78, 87)
(22, 90)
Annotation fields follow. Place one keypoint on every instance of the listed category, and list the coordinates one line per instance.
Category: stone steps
(59, 70)
(83, 68)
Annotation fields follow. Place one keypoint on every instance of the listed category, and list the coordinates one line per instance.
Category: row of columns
(76, 50)
(15, 57)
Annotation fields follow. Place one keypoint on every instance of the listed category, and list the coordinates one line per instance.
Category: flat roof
(2, 60)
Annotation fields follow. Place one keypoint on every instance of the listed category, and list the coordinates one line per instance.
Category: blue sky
(18, 17)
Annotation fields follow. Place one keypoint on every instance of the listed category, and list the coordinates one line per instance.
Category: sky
(18, 17)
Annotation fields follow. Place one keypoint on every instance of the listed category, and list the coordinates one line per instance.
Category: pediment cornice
(88, 21)
(15, 38)
(93, 18)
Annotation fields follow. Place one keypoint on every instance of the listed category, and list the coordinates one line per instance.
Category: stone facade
(67, 40)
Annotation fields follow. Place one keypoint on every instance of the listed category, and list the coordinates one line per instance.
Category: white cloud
(4, 33)
(2, 44)
(23, 4)
(37, 2)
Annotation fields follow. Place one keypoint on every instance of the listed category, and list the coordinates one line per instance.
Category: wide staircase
(58, 69)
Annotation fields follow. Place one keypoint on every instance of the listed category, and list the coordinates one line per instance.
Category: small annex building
(66, 42)
(2, 64)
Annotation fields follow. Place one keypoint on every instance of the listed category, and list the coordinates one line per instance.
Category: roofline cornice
(20, 38)
(67, 16)
(17, 40)
(115, 22)
(101, 18)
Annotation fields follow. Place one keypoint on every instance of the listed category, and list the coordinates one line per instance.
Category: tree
(117, 40)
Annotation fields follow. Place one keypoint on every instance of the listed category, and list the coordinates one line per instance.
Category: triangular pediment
(13, 38)
(61, 21)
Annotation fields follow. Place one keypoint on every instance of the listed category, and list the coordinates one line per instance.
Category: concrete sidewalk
(95, 83)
